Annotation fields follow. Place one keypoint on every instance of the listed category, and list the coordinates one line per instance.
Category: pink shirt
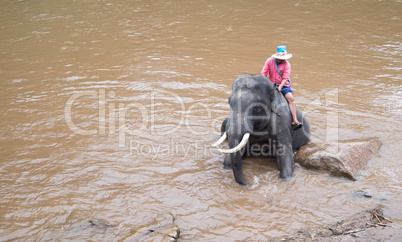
(284, 69)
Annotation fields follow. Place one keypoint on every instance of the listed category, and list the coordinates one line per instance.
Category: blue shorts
(286, 89)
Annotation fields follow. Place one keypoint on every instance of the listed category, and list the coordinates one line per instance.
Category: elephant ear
(274, 98)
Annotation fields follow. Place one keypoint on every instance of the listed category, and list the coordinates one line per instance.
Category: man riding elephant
(260, 118)
(278, 69)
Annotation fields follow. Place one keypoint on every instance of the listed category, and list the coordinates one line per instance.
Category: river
(109, 108)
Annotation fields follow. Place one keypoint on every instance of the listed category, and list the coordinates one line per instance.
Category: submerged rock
(161, 229)
(368, 193)
(363, 194)
(96, 224)
(344, 158)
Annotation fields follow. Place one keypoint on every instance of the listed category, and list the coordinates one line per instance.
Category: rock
(357, 222)
(344, 158)
(96, 224)
(368, 193)
(363, 194)
(345, 230)
(161, 229)
(383, 233)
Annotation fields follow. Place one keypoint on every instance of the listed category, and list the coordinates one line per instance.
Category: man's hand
(282, 84)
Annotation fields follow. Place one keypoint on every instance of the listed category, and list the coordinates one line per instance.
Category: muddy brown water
(108, 109)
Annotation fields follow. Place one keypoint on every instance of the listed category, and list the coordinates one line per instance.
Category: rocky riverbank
(368, 225)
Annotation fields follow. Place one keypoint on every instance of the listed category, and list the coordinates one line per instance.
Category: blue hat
(281, 48)
(282, 53)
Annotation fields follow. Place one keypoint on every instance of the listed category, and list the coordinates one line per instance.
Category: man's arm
(285, 76)
(284, 80)
(264, 70)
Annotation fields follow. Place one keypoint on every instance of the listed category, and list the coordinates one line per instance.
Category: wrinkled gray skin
(258, 108)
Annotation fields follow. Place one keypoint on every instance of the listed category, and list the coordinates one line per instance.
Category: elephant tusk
(220, 140)
(238, 147)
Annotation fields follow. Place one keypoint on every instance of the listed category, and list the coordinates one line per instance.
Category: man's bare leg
(292, 106)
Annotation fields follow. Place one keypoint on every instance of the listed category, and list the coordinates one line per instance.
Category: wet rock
(363, 194)
(383, 233)
(96, 224)
(359, 221)
(161, 229)
(370, 194)
(346, 230)
(344, 158)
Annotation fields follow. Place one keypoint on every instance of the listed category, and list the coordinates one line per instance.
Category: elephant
(260, 122)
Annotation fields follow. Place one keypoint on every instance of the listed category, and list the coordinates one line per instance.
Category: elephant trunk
(238, 168)
(238, 138)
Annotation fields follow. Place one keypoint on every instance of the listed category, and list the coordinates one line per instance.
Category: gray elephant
(260, 123)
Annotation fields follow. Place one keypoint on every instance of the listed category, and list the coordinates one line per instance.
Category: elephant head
(250, 110)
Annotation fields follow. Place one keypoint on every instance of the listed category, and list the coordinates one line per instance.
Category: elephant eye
(259, 110)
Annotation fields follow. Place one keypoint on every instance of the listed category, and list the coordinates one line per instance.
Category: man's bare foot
(296, 125)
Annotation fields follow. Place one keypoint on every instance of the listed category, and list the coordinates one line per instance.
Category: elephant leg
(284, 158)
